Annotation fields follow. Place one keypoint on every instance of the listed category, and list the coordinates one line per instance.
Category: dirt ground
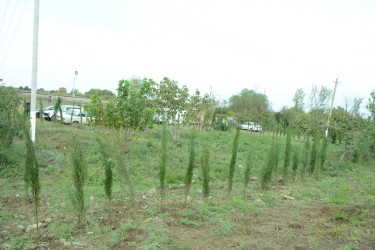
(315, 225)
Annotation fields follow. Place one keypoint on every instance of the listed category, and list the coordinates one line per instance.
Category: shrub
(220, 126)
(233, 160)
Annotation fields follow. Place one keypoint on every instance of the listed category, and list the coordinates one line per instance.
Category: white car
(251, 126)
(247, 126)
(75, 116)
(49, 114)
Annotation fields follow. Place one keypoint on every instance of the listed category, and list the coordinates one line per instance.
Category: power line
(10, 22)
(161, 18)
(5, 13)
(14, 35)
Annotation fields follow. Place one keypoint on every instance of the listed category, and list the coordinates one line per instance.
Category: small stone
(17, 196)
(144, 197)
(90, 233)
(20, 227)
(145, 206)
(101, 218)
(63, 204)
(48, 204)
(92, 198)
(259, 201)
(30, 228)
(210, 197)
(152, 192)
(48, 220)
(287, 197)
(199, 191)
(22, 217)
(78, 244)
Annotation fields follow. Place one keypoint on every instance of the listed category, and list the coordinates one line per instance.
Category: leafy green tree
(105, 157)
(295, 162)
(62, 91)
(131, 110)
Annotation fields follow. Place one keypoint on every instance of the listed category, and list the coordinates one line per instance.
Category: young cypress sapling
(295, 162)
(79, 177)
(41, 116)
(247, 169)
(190, 169)
(31, 174)
(305, 156)
(206, 171)
(233, 161)
(314, 154)
(108, 164)
(163, 159)
(323, 154)
(288, 152)
(273, 157)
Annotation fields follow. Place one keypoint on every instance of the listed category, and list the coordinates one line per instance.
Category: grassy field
(333, 210)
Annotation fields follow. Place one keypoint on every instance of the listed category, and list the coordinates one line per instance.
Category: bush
(221, 126)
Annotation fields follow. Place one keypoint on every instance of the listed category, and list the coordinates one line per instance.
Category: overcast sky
(273, 47)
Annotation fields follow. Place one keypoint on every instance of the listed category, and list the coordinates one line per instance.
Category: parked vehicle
(247, 126)
(251, 126)
(75, 116)
(50, 113)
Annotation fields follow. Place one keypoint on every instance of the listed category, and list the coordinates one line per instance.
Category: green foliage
(163, 159)
(288, 153)
(105, 158)
(106, 94)
(31, 174)
(206, 171)
(295, 162)
(314, 155)
(79, 177)
(9, 126)
(221, 126)
(233, 160)
(190, 169)
(272, 160)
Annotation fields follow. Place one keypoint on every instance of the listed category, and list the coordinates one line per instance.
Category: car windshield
(71, 112)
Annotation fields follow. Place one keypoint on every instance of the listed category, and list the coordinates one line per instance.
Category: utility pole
(333, 98)
(34, 70)
(74, 82)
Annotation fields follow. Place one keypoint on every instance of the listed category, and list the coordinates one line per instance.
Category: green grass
(149, 226)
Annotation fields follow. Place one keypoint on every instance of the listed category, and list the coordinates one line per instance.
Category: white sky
(270, 46)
